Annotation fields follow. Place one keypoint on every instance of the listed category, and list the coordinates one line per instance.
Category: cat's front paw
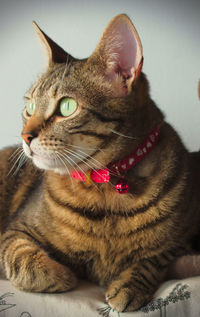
(126, 298)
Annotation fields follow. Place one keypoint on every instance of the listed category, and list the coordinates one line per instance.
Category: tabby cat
(106, 190)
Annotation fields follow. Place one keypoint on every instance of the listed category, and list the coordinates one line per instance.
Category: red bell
(122, 187)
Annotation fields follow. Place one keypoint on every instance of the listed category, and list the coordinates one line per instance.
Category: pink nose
(28, 137)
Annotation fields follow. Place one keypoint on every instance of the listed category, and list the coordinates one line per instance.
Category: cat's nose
(28, 136)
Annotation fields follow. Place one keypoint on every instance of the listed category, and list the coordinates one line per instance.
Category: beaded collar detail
(118, 168)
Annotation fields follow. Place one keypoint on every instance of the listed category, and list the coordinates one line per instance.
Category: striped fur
(55, 228)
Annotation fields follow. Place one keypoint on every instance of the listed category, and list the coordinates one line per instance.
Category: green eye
(30, 108)
(68, 106)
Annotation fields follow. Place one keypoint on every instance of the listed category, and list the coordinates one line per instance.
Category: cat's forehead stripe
(48, 81)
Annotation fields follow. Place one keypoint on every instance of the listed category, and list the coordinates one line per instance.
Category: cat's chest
(98, 233)
(95, 201)
(86, 218)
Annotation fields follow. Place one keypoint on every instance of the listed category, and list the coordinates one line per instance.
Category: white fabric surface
(173, 299)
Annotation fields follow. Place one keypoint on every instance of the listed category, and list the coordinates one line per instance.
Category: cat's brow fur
(55, 228)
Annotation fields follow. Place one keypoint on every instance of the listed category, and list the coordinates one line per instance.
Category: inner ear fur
(120, 52)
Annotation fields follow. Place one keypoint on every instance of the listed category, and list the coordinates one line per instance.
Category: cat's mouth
(41, 160)
(45, 160)
(59, 162)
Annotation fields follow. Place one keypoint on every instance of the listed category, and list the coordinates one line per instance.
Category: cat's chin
(49, 165)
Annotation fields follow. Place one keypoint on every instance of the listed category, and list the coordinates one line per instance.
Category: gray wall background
(169, 30)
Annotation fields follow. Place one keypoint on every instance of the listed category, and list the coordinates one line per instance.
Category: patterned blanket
(173, 299)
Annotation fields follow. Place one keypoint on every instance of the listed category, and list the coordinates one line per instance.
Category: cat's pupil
(68, 106)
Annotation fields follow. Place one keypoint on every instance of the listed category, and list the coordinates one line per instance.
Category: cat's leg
(136, 285)
(29, 267)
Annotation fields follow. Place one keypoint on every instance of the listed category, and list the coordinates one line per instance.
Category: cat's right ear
(54, 52)
(119, 54)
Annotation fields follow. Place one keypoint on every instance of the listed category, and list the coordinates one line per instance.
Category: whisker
(15, 153)
(15, 163)
(80, 158)
(63, 162)
(99, 166)
(69, 158)
(82, 147)
(73, 162)
(86, 148)
(85, 155)
(68, 161)
(22, 161)
(91, 158)
(123, 135)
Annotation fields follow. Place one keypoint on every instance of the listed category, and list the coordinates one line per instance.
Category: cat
(104, 189)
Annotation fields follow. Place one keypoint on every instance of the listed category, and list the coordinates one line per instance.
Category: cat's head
(78, 111)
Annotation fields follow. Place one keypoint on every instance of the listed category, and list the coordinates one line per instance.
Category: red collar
(118, 167)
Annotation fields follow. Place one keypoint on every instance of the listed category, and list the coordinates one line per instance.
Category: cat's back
(195, 157)
(195, 189)
(195, 169)
(17, 178)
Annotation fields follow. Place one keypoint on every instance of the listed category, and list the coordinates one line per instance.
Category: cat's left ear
(55, 53)
(119, 52)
